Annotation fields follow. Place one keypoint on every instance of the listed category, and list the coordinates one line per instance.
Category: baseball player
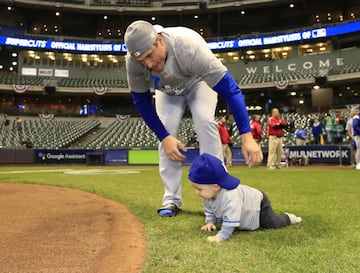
(181, 68)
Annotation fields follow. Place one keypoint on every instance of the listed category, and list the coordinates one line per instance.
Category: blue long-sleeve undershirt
(143, 103)
(228, 89)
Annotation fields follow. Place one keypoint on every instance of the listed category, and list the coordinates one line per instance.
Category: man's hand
(172, 147)
(251, 150)
(208, 227)
(213, 239)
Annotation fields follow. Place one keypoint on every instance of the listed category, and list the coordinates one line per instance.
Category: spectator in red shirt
(225, 140)
(276, 126)
(256, 128)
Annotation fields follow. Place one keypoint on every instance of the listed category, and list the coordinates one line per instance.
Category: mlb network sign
(61, 156)
(334, 154)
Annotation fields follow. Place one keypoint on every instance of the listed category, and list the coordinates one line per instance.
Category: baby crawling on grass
(232, 204)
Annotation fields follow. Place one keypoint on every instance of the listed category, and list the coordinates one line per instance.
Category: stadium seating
(283, 76)
(350, 68)
(134, 133)
(127, 134)
(99, 82)
(10, 79)
(121, 82)
(46, 134)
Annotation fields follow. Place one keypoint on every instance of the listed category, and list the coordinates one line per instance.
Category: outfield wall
(317, 154)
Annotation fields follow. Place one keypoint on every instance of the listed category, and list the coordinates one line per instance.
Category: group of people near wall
(353, 130)
(331, 129)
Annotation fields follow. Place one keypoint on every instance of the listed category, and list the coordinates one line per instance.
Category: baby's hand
(213, 239)
(208, 227)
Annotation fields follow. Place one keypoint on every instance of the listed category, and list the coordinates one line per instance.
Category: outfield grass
(328, 239)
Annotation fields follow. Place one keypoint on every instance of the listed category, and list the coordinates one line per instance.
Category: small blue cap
(207, 169)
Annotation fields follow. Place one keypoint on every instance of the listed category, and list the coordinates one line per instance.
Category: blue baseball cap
(208, 169)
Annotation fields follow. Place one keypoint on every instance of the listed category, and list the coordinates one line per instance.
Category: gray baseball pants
(202, 101)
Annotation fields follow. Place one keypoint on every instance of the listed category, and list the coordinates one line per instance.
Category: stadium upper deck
(80, 77)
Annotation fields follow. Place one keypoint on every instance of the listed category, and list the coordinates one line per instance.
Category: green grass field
(328, 239)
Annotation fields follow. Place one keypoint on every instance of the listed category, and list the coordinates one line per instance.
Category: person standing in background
(225, 140)
(230, 127)
(349, 132)
(276, 126)
(329, 128)
(6, 123)
(338, 132)
(317, 131)
(18, 122)
(342, 121)
(27, 143)
(356, 134)
(301, 135)
(256, 129)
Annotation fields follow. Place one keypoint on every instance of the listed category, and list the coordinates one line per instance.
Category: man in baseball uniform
(181, 68)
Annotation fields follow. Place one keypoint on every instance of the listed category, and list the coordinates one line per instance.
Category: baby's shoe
(293, 218)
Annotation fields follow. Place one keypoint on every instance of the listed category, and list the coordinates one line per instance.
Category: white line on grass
(72, 171)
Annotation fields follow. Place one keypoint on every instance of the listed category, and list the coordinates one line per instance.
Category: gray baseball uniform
(190, 70)
(235, 208)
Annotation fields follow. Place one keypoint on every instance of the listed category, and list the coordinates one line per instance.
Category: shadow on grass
(193, 213)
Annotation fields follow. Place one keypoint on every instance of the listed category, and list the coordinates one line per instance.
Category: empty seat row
(82, 82)
(46, 134)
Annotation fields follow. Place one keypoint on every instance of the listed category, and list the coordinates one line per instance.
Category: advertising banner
(62, 73)
(325, 154)
(316, 154)
(237, 156)
(190, 154)
(65, 156)
(266, 40)
(48, 72)
(28, 71)
(116, 157)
